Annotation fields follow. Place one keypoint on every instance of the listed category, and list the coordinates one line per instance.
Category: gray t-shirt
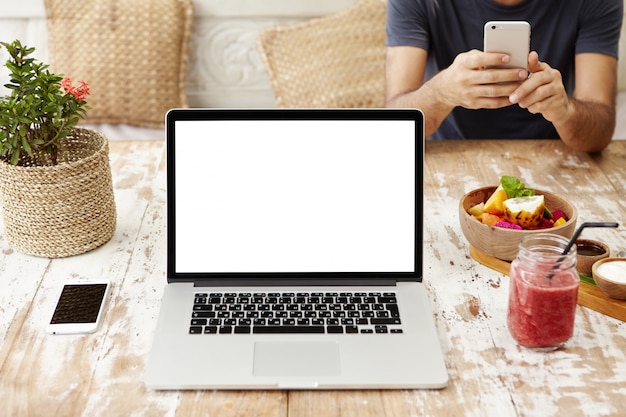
(560, 30)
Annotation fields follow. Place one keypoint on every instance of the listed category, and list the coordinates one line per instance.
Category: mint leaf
(514, 187)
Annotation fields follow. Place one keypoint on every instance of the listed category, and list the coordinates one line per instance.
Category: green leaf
(514, 187)
(26, 146)
(15, 157)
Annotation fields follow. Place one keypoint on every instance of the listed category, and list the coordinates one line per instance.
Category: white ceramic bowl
(611, 281)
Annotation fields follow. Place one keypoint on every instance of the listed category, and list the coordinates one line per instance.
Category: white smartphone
(510, 37)
(79, 308)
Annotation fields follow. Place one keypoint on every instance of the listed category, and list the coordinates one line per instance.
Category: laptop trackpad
(296, 359)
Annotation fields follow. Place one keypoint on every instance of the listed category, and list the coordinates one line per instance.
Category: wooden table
(102, 374)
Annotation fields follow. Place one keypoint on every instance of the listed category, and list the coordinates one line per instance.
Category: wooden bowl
(588, 252)
(612, 284)
(503, 243)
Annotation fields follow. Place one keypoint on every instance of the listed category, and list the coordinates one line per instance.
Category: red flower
(79, 92)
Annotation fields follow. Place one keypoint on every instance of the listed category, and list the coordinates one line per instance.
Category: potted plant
(56, 190)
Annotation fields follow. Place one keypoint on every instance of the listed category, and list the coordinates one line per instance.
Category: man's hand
(471, 82)
(585, 122)
(543, 92)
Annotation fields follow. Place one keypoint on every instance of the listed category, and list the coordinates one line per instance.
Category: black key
(389, 320)
(352, 329)
(198, 322)
(242, 329)
(288, 329)
(226, 329)
(396, 331)
(380, 329)
(202, 307)
(387, 300)
(195, 330)
(334, 329)
(393, 310)
(202, 294)
(367, 331)
(210, 329)
(203, 314)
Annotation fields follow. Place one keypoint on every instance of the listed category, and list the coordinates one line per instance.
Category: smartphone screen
(79, 308)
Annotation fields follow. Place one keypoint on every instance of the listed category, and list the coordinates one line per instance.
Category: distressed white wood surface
(102, 374)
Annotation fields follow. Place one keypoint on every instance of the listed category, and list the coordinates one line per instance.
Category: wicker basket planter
(60, 210)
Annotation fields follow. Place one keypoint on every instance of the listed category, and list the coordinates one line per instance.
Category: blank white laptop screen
(295, 196)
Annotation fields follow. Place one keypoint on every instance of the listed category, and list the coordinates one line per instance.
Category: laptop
(294, 252)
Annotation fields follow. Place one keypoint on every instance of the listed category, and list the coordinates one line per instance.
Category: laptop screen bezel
(292, 278)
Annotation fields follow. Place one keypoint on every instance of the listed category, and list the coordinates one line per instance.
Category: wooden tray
(589, 295)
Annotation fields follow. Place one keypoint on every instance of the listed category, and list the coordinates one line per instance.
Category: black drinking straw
(573, 241)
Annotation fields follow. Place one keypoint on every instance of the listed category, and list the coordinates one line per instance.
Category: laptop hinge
(292, 282)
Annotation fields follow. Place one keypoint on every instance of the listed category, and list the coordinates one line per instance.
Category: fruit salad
(513, 206)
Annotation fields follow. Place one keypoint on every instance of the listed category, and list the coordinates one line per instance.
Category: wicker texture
(133, 54)
(65, 209)
(335, 61)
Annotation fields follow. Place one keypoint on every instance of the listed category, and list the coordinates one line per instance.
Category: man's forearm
(427, 99)
(588, 127)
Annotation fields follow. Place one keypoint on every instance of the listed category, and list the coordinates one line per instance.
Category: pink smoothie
(541, 310)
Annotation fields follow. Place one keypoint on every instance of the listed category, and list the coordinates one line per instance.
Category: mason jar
(543, 292)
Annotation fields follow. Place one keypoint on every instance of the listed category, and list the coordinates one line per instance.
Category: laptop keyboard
(302, 312)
